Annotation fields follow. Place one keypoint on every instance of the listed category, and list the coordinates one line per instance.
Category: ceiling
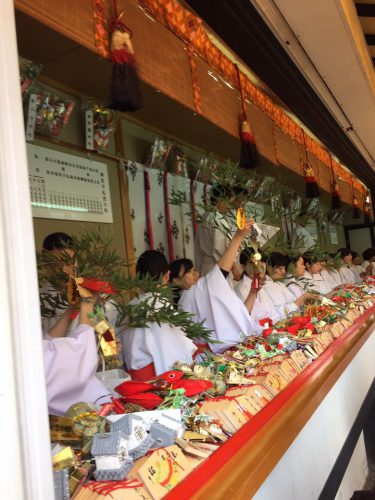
(334, 58)
(313, 55)
(366, 13)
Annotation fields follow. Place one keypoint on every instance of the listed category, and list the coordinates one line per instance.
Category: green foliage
(92, 256)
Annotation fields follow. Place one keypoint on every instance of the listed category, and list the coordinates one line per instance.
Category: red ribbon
(193, 206)
(168, 217)
(148, 211)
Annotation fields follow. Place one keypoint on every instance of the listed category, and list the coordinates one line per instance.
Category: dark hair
(220, 193)
(344, 252)
(152, 263)
(57, 241)
(246, 254)
(355, 254)
(368, 253)
(176, 266)
(293, 259)
(276, 259)
(310, 258)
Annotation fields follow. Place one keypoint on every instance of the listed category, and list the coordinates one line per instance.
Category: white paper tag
(31, 118)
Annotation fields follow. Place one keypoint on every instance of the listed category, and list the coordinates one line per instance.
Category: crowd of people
(231, 291)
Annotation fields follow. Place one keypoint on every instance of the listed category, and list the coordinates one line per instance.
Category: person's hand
(246, 230)
(310, 295)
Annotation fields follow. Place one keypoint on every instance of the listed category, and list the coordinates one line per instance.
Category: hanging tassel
(125, 90)
(336, 200)
(249, 156)
(356, 210)
(367, 208)
(311, 186)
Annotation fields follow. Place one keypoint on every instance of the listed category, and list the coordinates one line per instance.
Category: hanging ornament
(249, 156)
(311, 186)
(336, 200)
(125, 89)
(356, 210)
(367, 208)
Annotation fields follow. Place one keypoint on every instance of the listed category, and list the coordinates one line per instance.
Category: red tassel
(125, 89)
(356, 210)
(311, 186)
(249, 156)
(336, 200)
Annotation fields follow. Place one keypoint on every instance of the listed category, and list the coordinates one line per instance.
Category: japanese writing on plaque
(64, 186)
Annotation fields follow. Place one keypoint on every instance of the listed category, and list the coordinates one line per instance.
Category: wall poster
(65, 186)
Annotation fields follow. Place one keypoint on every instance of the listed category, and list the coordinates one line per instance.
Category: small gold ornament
(241, 218)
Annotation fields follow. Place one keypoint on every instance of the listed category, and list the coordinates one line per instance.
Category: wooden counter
(240, 466)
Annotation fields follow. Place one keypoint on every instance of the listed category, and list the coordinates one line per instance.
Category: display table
(289, 448)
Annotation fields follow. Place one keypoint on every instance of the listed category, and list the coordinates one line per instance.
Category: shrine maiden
(331, 276)
(212, 300)
(345, 270)
(283, 300)
(211, 238)
(312, 275)
(152, 350)
(70, 363)
(62, 243)
(263, 306)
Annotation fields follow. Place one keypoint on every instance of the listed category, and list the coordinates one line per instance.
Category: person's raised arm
(226, 261)
(62, 325)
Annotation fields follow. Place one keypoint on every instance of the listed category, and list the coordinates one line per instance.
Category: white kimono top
(332, 278)
(347, 274)
(210, 242)
(282, 299)
(357, 270)
(213, 301)
(263, 306)
(70, 365)
(161, 344)
(317, 283)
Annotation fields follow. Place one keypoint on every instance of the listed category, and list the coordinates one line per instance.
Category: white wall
(306, 465)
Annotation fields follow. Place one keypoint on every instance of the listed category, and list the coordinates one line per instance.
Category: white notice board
(64, 186)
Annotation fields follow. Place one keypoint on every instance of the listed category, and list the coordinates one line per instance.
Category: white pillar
(25, 465)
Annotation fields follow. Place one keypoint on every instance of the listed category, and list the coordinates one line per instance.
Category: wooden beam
(365, 9)
(125, 202)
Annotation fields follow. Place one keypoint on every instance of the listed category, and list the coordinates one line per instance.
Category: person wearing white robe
(284, 301)
(345, 271)
(331, 276)
(357, 268)
(70, 364)
(160, 344)
(313, 276)
(157, 344)
(294, 280)
(263, 307)
(368, 264)
(211, 239)
(212, 300)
